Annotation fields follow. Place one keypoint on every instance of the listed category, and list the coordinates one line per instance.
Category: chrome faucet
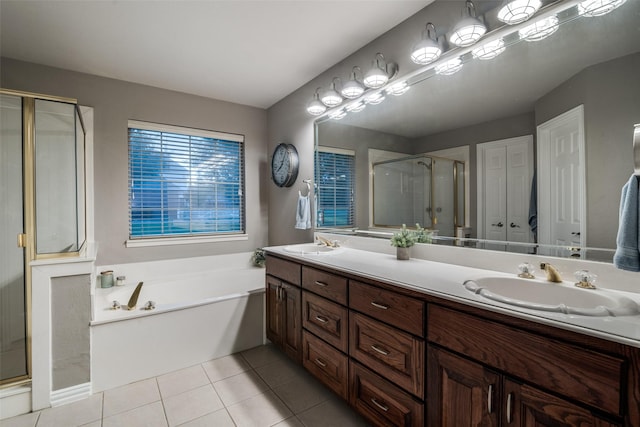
(131, 305)
(553, 275)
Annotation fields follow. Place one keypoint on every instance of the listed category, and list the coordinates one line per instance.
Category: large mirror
(588, 69)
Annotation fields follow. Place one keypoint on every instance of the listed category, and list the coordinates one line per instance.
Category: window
(184, 182)
(335, 171)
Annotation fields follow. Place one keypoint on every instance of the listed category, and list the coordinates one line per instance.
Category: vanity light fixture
(337, 115)
(517, 11)
(374, 98)
(379, 73)
(592, 8)
(427, 49)
(398, 89)
(331, 97)
(450, 67)
(541, 29)
(489, 50)
(356, 107)
(469, 29)
(353, 88)
(315, 107)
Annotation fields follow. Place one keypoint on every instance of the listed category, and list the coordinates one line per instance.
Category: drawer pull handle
(378, 305)
(321, 284)
(379, 350)
(384, 408)
(320, 362)
(509, 396)
(490, 399)
(322, 319)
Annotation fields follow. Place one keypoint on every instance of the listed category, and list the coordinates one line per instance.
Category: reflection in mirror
(589, 61)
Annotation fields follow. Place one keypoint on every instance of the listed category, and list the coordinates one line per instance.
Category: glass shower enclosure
(42, 178)
(423, 190)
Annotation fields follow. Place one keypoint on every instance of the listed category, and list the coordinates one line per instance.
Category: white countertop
(446, 281)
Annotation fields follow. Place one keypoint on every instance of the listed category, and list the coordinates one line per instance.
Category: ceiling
(248, 52)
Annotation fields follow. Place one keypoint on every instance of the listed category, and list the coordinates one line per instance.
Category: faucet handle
(526, 271)
(585, 279)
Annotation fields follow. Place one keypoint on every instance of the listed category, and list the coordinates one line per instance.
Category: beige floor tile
(263, 410)
(93, 424)
(73, 414)
(26, 420)
(192, 404)
(225, 367)
(183, 380)
(240, 387)
(262, 355)
(302, 393)
(331, 413)
(151, 415)
(130, 396)
(290, 422)
(280, 372)
(220, 418)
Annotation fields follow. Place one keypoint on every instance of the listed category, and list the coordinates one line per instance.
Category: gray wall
(335, 134)
(114, 103)
(609, 92)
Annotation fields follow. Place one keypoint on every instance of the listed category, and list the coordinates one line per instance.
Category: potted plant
(403, 241)
(422, 235)
(259, 257)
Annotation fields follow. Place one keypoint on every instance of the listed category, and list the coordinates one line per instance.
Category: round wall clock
(284, 165)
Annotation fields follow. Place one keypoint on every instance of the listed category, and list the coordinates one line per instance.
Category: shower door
(13, 315)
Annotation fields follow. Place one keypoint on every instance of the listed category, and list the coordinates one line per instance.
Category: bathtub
(205, 308)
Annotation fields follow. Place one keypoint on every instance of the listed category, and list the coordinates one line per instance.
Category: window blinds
(335, 177)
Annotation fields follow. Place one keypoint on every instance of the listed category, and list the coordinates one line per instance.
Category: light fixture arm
(470, 9)
(354, 75)
(430, 32)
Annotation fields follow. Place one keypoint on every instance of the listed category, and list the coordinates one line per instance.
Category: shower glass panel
(13, 337)
(421, 190)
(59, 171)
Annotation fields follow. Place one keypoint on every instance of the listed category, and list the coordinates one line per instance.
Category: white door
(505, 170)
(561, 189)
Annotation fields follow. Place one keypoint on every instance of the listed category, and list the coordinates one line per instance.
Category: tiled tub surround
(256, 388)
(521, 362)
(222, 296)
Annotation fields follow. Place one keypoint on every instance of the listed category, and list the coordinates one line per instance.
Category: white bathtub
(214, 309)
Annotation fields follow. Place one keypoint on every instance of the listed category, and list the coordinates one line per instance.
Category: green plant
(259, 258)
(422, 235)
(403, 239)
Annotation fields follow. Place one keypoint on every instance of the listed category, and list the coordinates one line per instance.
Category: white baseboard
(70, 394)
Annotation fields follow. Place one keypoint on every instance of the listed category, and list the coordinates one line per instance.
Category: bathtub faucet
(131, 305)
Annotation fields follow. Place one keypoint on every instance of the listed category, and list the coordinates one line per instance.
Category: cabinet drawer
(398, 310)
(328, 285)
(288, 271)
(326, 364)
(395, 355)
(586, 376)
(381, 402)
(326, 319)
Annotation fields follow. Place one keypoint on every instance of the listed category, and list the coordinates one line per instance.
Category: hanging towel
(533, 207)
(627, 255)
(303, 212)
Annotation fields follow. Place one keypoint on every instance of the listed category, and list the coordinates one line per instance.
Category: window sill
(168, 241)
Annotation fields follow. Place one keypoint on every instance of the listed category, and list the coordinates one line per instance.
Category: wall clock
(284, 165)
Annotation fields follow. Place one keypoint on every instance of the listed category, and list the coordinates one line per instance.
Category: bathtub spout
(131, 305)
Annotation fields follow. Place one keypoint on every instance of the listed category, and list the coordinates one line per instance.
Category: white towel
(303, 212)
(627, 256)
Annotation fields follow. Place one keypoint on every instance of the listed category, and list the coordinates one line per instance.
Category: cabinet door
(530, 407)
(274, 316)
(291, 331)
(460, 392)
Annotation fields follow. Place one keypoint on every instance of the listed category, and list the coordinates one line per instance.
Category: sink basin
(311, 249)
(554, 297)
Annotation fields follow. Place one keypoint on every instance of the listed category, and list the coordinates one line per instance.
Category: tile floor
(255, 388)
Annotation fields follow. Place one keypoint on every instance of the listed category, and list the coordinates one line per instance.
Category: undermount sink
(554, 297)
(311, 249)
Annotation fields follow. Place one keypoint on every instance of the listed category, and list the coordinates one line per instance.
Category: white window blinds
(184, 182)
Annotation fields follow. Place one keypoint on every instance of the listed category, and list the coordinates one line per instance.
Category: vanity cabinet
(283, 305)
(401, 357)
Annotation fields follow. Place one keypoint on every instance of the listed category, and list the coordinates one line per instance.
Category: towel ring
(636, 149)
(308, 182)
